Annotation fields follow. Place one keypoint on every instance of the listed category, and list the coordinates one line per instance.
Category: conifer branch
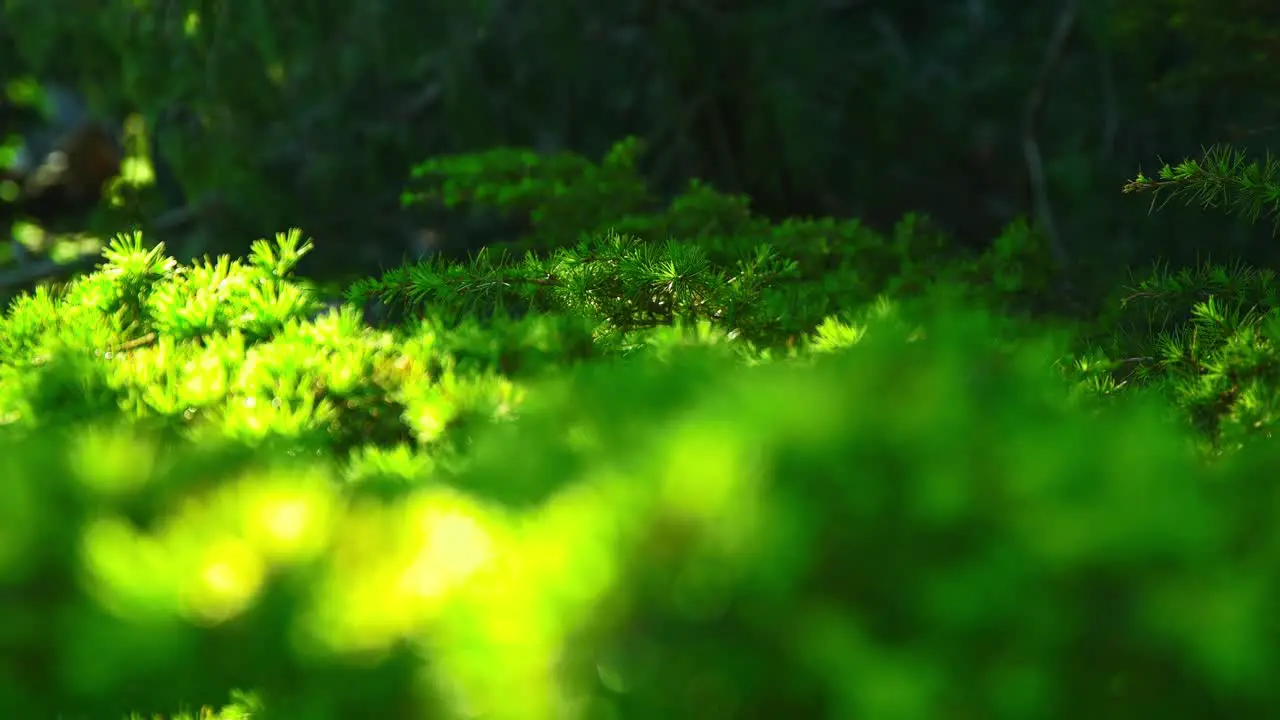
(1225, 179)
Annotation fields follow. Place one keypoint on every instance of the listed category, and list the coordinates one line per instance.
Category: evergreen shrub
(916, 527)
(688, 463)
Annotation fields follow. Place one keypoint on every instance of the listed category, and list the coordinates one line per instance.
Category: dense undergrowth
(643, 460)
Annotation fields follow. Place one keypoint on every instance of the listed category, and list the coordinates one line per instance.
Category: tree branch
(1030, 125)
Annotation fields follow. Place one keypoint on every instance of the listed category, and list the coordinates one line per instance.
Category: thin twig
(1031, 118)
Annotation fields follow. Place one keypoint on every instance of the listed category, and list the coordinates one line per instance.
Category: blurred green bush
(920, 527)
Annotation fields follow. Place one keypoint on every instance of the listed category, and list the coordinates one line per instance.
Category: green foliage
(1204, 339)
(1225, 179)
(1045, 545)
(646, 458)
(595, 248)
(235, 349)
(559, 193)
(254, 409)
(656, 454)
(905, 529)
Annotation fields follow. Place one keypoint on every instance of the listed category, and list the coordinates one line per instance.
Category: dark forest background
(310, 113)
